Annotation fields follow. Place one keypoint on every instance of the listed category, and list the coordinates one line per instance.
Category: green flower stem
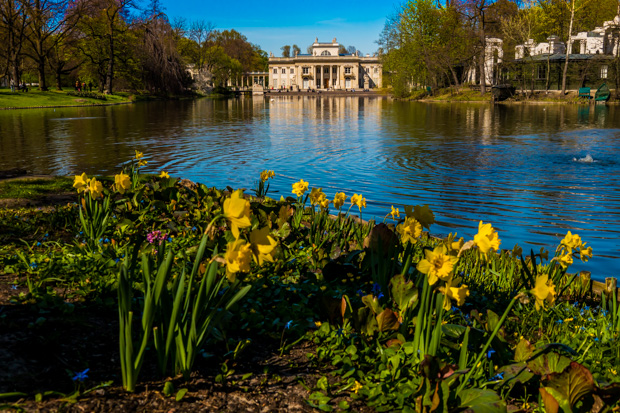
(486, 346)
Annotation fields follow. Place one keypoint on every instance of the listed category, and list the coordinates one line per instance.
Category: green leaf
(568, 387)
(387, 320)
(168, 389)
(524, 350)
(404, 293)
(344, 405)
(180, 394)
(482, 401)
(548, 363)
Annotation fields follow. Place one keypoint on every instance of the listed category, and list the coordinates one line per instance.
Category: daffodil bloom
(238, 258)
(517, 251)
(339, 199)
(358, 200)
(437, 264)
(237, 211)
(164, 175)
(395, 213)
(565, 260)
(264, 175)
(122, 182)
(324, 203)
(95, 188)
(299, 188)
(80, 182)
(452, 292)
(357, 387)
(422, 214)
(139, 155)
(142, 163)
(262, 245)
(585, 253)
(543, 290)
(316, 195)
(409, 231)
(454, 247)
(486, 239)
(571, 241)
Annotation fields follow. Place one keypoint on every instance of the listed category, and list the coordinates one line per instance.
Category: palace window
(283, 71)
(292, 71)
(347, 70)
(325, 53)
(305, 70)
(326, 69)
(275, 71)
(376, 70)
(335, 69)
(604, 72)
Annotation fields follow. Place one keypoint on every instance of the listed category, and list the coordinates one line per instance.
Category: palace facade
(325, 68)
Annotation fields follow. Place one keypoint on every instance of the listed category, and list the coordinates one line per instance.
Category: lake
(533, 171)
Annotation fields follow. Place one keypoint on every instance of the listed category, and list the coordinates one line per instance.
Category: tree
(51, 21)
(342, 49)
(14, 23)
(286, 51)
(296, 50)
(351, 49)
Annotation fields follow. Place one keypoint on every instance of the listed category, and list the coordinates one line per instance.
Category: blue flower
(38, 243)
(46, 235)
(106, 241)
(360, 292)
(587, 307)
(596, 339)
(34, 265)
(193, 228)
(80, 376)
(490, 353)
(116, 260)
(380, 296)
(13, 287)
(559, 321)
(340, 332)
(288, 325)
(100, 240)
(498, 376)
(376, 288)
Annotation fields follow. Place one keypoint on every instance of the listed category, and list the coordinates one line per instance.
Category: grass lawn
(35, 98)
(30, 188)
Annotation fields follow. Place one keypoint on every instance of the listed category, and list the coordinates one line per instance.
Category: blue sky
(273, 24)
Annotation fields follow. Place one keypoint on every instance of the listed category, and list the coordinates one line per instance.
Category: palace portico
(325, 68)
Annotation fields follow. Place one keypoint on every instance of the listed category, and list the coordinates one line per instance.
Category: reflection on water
(534, 171)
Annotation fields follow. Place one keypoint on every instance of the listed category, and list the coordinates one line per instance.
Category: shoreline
(68, 106)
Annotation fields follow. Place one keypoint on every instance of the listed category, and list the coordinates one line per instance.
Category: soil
(43, 346)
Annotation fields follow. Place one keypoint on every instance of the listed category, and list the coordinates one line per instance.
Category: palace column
(320, 77)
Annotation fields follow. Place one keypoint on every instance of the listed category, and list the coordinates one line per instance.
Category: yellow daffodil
(437, 264)
(339, 199)
(237, 211)
(452, 292)
(422, 214)
(565, 260)
(95, 188)
(517, 251)
(395, 213)
(409, 231)
(139, 155)
(299, 188)
(454, 247)
(142, 163)
(80, 182)
(238, 257)
(486, 239)
(358, 200)
(122, 182)
(357, 387)
(316, 195)
(262, 245)
(324, 203)
(164, 175)
(264, 175)
(585, 253)
(543, 290)
(571, 241)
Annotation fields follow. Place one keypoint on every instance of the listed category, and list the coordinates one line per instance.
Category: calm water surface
(533, 171)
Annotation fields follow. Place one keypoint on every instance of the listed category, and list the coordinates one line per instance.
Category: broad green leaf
(168, 389)
(571, 385)
(180, 394)
(548, 363)
(523, 351)
(404, 292)
(387, 320)
(482, 401)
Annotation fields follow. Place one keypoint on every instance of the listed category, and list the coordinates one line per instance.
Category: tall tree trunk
(110, 76)
(568, 45)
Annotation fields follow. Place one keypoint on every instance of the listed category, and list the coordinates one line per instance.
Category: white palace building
(325, 68)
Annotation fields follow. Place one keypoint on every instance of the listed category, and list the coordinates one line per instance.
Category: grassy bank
(158, 294)
(35, 98)
(466, 94)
